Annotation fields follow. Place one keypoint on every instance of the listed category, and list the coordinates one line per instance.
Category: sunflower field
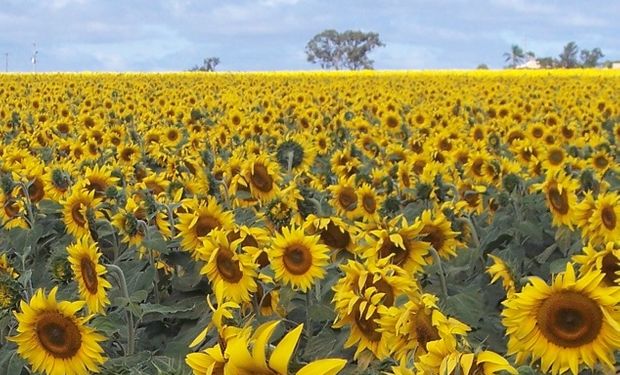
(305, 223)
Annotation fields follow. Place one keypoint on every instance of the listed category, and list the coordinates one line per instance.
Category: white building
(531, 63)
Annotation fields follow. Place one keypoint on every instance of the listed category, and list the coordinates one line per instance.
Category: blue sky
(168, 35)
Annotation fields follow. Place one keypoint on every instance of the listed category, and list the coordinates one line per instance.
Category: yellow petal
(284, 350)
(329, 366)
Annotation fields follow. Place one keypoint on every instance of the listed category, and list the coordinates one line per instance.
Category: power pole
(34, 57)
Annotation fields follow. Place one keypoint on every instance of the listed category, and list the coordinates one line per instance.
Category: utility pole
(34, 57)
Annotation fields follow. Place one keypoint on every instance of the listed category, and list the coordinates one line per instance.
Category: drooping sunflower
(75, 211)
(570, 323)
(369, 203)
(444, 357)
(89, 274)
(400, 242)
(54, 340)
(412, 326)
(236, 269)
(499, 270)
(298, 259)
(199, 220)
(334, 231)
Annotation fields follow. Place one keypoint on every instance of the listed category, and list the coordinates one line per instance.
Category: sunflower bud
(60, 269)
(511, 182)
(290, 149)
(9, 292)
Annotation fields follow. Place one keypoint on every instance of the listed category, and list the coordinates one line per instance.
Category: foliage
(347, 50)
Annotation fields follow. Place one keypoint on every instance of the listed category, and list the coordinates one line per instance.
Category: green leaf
(156, 241)
(531, 229)
(321, 345)
(150, 308)
(321, 313)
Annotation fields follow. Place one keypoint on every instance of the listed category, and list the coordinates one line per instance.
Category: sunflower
(400, 243)
(411, 327)
(237, 270)
(571, 323)
(437, 229)
(445, 358)
(210, 361)
(84, 259)
(358, 296)
(369, 203)
(6, 268)
(298, 259)
(263, 177)
(199, 220)
(499, 270)
(54, 340)
(559, 190)
(601, 161)
(605, 260)
(334, 231)
(345, 197)
(98, 178)
(75, 211)
(604, 224)
(57, 182)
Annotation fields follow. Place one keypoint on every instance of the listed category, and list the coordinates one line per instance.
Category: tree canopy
(208, 65)
(347, 50)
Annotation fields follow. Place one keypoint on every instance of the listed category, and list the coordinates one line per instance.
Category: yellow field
(311, 223)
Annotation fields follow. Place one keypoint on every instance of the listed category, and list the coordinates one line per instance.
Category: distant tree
(590, 59)
(568, 57)
(482, 67)
(515, 56)
(547, 62)
(347, 50)
(208, 65)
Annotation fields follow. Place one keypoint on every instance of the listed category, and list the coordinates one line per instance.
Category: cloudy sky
(167, 35)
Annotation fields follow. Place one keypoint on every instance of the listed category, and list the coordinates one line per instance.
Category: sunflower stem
(289, 165)
(308, 323)
(474, 233)
(120, 276)
(30, 218)
(442, 275)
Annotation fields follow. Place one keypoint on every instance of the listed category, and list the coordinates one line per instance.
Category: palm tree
(515, 56)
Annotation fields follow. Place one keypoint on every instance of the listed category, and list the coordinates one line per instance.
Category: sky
(250, 35)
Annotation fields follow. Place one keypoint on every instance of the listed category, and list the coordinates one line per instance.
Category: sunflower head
(10, 292)
(53, 339)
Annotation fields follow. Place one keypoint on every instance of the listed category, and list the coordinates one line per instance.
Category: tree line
(570, 57)
(350, 49)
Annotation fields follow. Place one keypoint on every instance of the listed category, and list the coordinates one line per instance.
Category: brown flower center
(77, 216)
(424, 329)
(261, 178)
(334, 237)
(367, 326)
(434, 235)
(206, 224)
(556, 156)
(369, 203)
(601, 162)
(36, 190)
(228, 267)
(569, 319)
(559, 201)
(389, 248)
(297, 259)
(347, 198)
(610, 266)
(59, 335)
(608, 217)
(89, 275)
